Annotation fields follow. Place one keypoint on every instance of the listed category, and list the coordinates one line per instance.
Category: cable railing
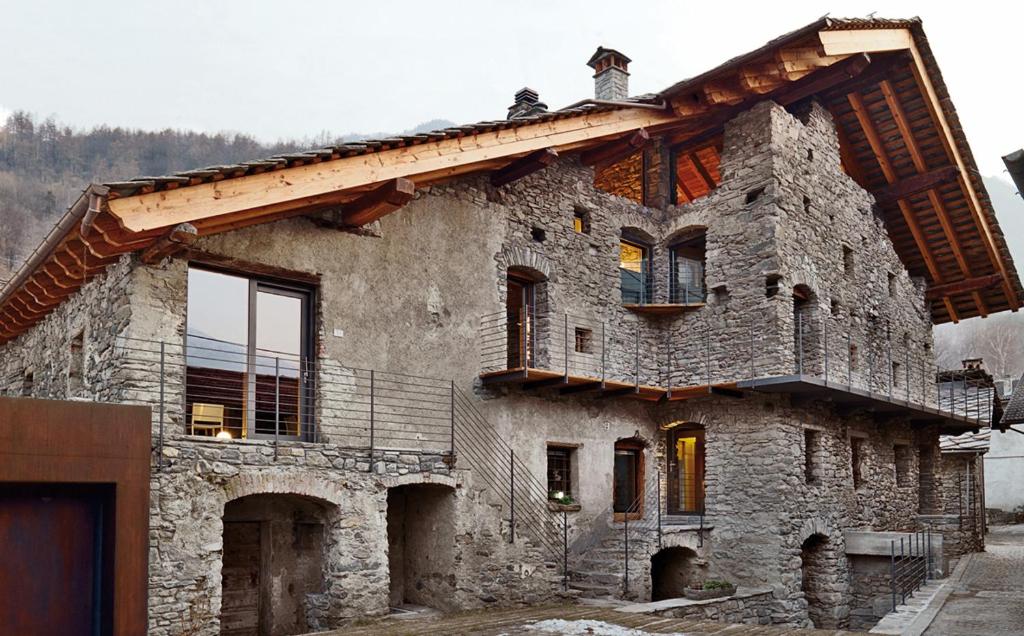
(675, 286)
(546, 348)
(215, 388)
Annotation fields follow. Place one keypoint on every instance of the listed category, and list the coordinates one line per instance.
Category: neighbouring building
(1004, 468)
(614, 349)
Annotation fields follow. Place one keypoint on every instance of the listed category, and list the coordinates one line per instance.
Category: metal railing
(643, 288)
(281, 398)
(706, 350)
(910, 566)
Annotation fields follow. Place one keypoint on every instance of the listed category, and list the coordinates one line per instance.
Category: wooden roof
(899, 133)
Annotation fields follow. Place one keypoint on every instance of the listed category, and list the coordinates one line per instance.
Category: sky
(282, 70)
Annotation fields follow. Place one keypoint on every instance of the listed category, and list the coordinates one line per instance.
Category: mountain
(44, 165)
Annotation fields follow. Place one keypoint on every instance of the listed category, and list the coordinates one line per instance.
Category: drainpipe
(83, 210)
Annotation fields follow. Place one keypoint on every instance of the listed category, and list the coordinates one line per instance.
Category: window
(538, 235)
(560, 486)
(584, 340)
(807, 205)
(28, 384)
(895, 374)
(754, 195)
(685, 469)
(686, 270)
(812, 455)
(857, 445)
(771, 285)
(634, 271)
(847, 261)
(853, 356)
(903, 460)
(247, 344)
(76, 365)
(628, 478)
(581, 220)
(892, 285)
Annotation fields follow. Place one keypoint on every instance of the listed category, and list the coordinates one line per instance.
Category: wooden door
(51, 564)
(519, 305)
(240, 576)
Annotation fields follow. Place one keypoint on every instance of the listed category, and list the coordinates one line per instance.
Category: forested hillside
(44, 165)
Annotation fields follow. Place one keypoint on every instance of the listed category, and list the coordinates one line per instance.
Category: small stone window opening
(847, 261)
(538, 235)
(754, 195)
(807, 204)
(892, 285)
(581, 220)
(853, 357)
(560, 460)
(28, 384)
(771, 285)
(76, 365)
(810, 154)
(584, 340)
(895, 374)
(903, 459)
(857, 461)
(812, 455)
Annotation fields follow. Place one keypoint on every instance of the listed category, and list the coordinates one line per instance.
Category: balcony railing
(677, 291)
(540, 348)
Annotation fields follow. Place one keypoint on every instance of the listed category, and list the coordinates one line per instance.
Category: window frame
(646, 273)
(568, 482)
(306, 292)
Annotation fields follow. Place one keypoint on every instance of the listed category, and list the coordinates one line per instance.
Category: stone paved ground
(517, 621)
(989, 599)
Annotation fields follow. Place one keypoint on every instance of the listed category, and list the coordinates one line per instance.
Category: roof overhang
(899, 136)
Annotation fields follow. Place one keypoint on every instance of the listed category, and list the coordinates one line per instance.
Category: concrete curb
(928, 614)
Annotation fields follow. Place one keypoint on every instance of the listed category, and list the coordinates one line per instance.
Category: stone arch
(685, 232)
(673, 569)
(813, 526)
(525, 261)
(420, 478)
(260, 483)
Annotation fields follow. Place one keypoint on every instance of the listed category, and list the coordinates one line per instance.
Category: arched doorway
(672, 570)
(814, 577)
(273, 560)
(421, 539)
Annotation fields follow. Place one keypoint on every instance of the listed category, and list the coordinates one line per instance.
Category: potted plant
(710, 589)
(562, 502)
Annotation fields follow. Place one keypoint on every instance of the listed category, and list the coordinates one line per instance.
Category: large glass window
(686, 279)
(246, 349)
(634, 270)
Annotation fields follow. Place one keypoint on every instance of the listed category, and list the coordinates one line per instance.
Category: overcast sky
(293, 69)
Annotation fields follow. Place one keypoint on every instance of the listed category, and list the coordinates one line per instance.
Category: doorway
(672, 571)
(273, 560)
(421, 536)
(814, 578)
(521, 313)
(685, 470)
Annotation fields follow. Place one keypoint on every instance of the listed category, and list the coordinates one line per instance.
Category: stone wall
(963, 518)
(871, 590)
(200, 477)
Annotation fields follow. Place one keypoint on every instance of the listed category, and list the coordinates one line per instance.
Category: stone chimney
(527, 103)
(611, 75)
(972, 364)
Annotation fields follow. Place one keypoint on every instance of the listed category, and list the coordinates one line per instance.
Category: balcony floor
(539, 378)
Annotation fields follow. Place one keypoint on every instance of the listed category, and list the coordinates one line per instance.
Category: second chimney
(611, 75)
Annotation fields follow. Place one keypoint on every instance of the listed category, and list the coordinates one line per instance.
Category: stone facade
(409, 298)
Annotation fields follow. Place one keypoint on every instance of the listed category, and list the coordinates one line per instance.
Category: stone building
(613, 349)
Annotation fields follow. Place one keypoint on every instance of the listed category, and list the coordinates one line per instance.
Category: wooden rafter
(702, 171)
(430, 160)
(379, 202)
(864, 119)
(907, 135)
(963, 286)
(616, 151)
(917, 184)
(523, 166)
(179, 239)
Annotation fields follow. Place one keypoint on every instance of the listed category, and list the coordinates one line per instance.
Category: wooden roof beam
(963, 286)
(617, 151)
(178, 240)
(912, 186)
(702, 171)
(379, 202)
(907, 134)
(447, 157)
(523, 166)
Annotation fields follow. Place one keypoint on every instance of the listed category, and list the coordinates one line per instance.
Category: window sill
(557, 507)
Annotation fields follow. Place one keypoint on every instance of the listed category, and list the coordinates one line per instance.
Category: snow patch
(586, 628)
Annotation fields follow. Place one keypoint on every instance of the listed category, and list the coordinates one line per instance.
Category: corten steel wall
(52, 442)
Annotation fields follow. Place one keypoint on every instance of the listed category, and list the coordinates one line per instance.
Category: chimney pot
(527, 103)
(611, 74)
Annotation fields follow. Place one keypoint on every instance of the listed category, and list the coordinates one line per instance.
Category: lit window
(634, 268)
(560, 473)
(581, 220)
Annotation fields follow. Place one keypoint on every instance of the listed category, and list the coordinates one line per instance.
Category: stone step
(594, 590)
(599, 577)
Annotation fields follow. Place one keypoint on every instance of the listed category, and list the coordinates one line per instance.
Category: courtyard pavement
(989, 598)
(575, 620)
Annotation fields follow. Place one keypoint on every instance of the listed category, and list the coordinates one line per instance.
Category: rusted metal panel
(88, 450)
